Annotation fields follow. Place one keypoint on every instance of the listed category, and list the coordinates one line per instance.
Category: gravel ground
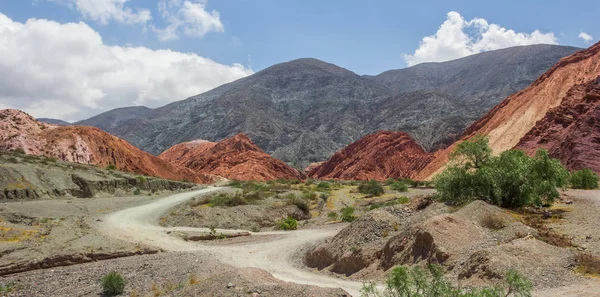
(165, 274)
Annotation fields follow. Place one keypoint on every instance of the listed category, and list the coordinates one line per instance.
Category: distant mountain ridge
(304, 110)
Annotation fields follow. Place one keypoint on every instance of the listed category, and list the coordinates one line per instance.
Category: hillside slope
(378, 156)
(507, 123)
(86, 145)
(235, 158)
(304, 110)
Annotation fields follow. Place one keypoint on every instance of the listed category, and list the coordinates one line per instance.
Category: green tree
(474, 152)
(510, 180)
(584, 179)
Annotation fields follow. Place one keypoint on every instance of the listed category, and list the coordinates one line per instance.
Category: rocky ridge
(235, 158)
(377, 156)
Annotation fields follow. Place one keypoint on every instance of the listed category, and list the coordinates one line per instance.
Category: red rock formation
(87, 145)
(514, 117)
(312, 166)
(571, 131)
(378, 156)
(234, 158)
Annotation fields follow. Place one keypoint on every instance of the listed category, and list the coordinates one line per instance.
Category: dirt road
(277, 256)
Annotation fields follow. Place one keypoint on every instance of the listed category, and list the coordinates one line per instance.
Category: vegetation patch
(584, 179)
(287, 224)
(371, 188)
(113, 284)
(588, 263)
(348, 214)
(421, 282)
(511, 180)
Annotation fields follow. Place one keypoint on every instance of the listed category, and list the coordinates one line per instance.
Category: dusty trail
(139, 225)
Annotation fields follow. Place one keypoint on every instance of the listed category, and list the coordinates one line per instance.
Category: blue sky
(367, 37)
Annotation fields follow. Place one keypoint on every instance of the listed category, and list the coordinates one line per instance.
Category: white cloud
(457, 38)
(189, 18)
(104, 11)
(66, 71)
(587, 38)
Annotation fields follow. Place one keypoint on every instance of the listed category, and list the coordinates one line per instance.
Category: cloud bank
(189, 18)
(66, 71)
(587, 38)
(457, 38)
(104, 11)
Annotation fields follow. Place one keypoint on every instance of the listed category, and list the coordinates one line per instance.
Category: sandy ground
(278, 257)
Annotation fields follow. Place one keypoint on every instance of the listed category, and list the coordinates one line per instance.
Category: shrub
(111, 167)
(113, 284)
(389, 181)
(136, 191)
(584, 179)
(399, 186)
(372, 188)
(348, 214)
(422, 282)
(510, 180)
(323, 186)
(332, 215)
(227, 200)
(588, 263)
(288, 223)
(324, 196)
(493, 221)
(309, 195)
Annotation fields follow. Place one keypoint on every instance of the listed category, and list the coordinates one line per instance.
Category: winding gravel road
(140, 225)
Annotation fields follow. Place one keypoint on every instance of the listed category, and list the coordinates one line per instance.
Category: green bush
(348, 214)
(584, 179)
(288, 223)
(332, 215)
(227, 200)
(324, 196)
(399, 186)
(113, 284)
(510, 180)
(323, 186)
(430, 282)
(372, 188)
(136, 191)
(389, 181)
(111, 167)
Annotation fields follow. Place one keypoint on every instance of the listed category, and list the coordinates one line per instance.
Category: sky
(71, 59)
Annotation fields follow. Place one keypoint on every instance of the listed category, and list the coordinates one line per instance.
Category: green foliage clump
(332, 215)
(372, 188)
(111, 167)
(113, 284)
(399, 186)
(510, 180)
(584, 179)
(421, 282)
(136, 191)
(323, 187)
(227, 200)
(288, 223)
(348, 214)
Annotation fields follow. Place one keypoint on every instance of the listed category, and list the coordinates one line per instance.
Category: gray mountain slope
(304, 110)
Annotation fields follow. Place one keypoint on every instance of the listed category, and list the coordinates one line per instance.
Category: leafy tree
(475, 152)
(584, 179)
(510, 180)
(399, 186)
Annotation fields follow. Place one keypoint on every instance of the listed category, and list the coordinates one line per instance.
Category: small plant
(332, 215)
(372, 188)
(136, 191)
(255, 229)
(399, 186)
(213, 230)
(287, 224)
(584, 179)
(588, 263)
(111, 167)
(493, 221)
(324, 197)
(348, 214)
(113, 284)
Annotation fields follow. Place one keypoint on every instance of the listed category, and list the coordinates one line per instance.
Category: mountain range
(304, 110)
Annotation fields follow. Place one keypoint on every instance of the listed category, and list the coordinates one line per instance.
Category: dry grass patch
(493, 221)
(588, 263)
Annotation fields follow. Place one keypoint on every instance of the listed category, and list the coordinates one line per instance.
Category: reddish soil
(234, 158)
(378, 156)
